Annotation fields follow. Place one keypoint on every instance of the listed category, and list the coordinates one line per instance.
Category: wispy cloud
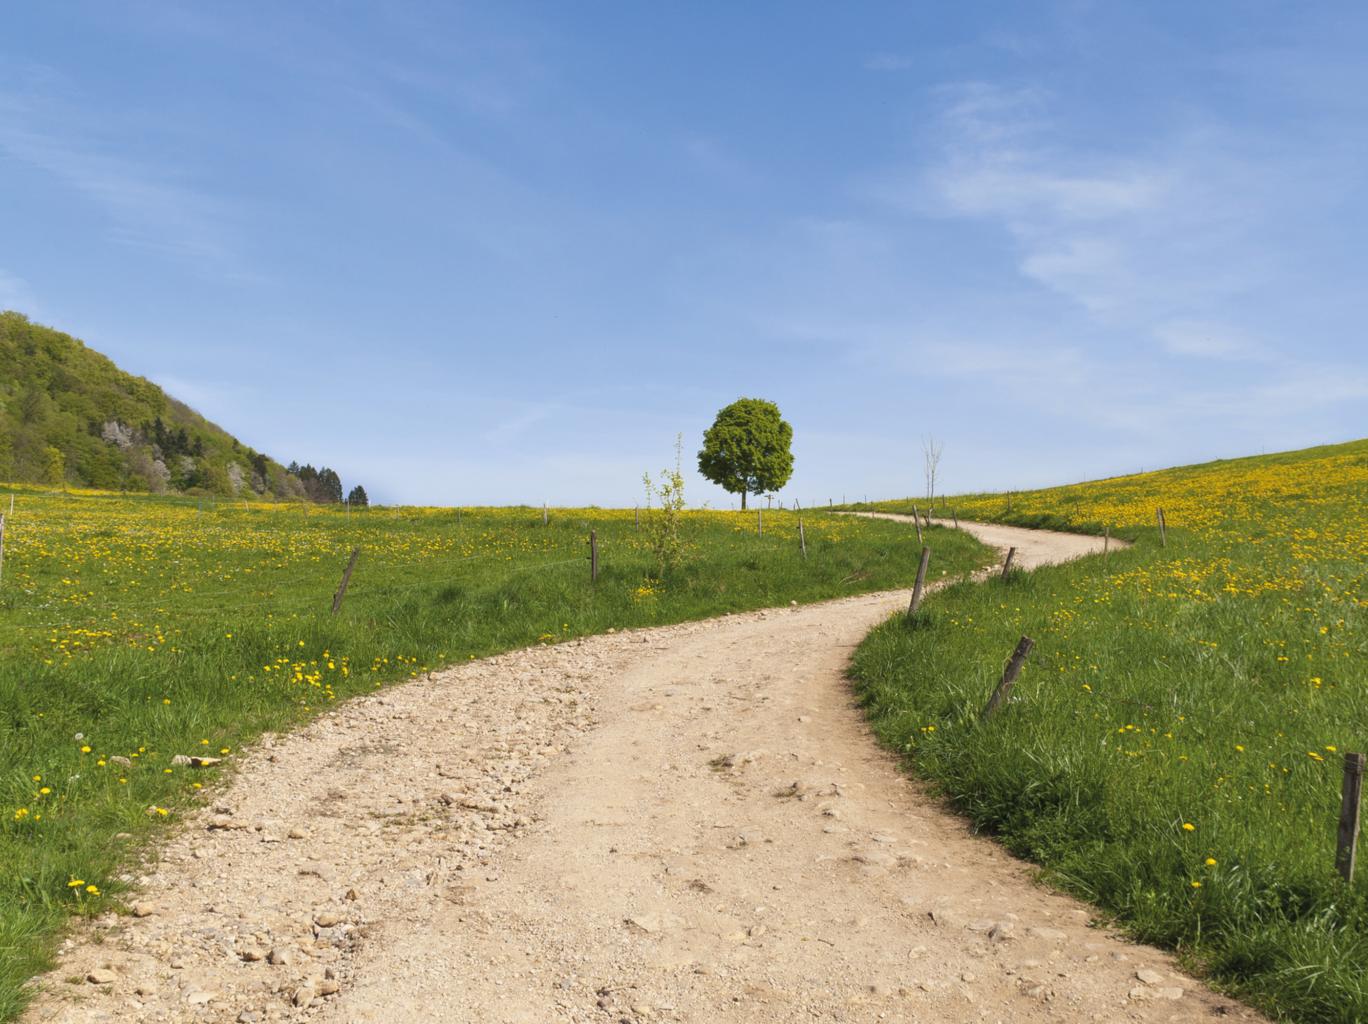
(513, 427)
(1209, 340)
(1162, 231)
(16, 294)
(146, 206)
(715, 160)
(889, 62)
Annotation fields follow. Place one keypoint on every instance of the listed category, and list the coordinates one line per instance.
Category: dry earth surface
(681, 824)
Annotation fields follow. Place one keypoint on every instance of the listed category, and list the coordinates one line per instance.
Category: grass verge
(1173, 750)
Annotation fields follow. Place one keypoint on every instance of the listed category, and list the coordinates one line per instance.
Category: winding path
(689, 823)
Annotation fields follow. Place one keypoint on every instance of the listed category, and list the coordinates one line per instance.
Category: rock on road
(689, 823)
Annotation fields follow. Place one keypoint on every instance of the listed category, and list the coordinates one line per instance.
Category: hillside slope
(69, 415)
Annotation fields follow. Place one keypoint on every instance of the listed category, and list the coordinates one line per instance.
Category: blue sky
(504, 252)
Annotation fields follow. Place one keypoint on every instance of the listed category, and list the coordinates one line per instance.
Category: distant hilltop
(69, 416)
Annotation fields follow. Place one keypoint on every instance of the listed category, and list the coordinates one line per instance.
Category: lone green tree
(747, 450)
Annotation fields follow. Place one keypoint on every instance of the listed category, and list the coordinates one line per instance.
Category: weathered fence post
(1159, 515)
(346, 578)
(921, 582)
(1346, 846)
(1106, 539)
(955, 514)
(543, 513)
(916, 521)
(593, 556)
(1007, 563)
(759, 522)
(2, 544)
(1009, 677)
(802, 538)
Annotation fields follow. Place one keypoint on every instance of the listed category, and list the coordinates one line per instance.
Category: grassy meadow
(1173, 751)
(134, 629)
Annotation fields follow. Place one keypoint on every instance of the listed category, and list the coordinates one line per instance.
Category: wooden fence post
(543, 513)
(1346, 846)
(346, 578)
(956, 518)
(1007, 563)
(1009, 677)
(593, 556)
(802, 539)
(921, 582)
(1159, 515)
(2, 544)
(759, 522)
(916, 521)
(1106, 539)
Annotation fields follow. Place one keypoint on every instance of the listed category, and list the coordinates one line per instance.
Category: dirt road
(681, 824)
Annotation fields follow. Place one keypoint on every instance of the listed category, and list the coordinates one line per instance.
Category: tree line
(324, 486)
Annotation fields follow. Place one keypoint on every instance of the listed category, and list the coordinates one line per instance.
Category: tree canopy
(748, 450)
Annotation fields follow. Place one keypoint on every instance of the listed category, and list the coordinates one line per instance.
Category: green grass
(1213, 683)
(154, 627)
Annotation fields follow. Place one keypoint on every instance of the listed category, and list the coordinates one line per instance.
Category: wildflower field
(1173, 751)
(134, 630)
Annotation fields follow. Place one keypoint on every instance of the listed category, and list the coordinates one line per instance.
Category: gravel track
(689, 823)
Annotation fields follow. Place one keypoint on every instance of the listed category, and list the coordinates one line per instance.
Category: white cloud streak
(146, 207)
(16, 294)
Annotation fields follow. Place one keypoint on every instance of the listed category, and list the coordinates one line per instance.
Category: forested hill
(68, 415)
